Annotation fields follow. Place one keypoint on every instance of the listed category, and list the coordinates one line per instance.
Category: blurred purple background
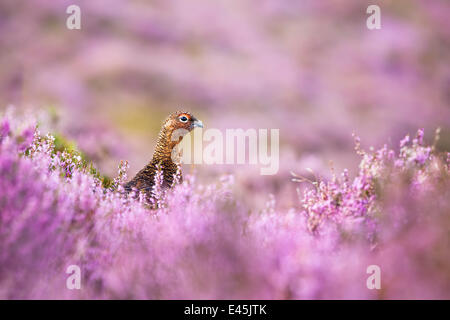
(310, 68)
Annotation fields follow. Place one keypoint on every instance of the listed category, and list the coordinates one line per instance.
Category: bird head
(178, 124)
(182, 120)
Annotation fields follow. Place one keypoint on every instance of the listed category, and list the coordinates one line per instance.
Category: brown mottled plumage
(174, 128)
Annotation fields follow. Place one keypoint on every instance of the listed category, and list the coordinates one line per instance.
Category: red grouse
(174, 128)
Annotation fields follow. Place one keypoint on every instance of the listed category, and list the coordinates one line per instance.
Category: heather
(309, 67)
(80, 114)
(198, 241)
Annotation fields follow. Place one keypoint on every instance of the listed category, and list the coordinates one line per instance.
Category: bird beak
(198, 124)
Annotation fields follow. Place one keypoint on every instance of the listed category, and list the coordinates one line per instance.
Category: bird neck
(164, 147)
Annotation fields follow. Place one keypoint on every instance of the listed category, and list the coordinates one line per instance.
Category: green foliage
(69, 149)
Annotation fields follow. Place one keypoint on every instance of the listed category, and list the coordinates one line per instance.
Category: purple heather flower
(200, 241)
(404, 141)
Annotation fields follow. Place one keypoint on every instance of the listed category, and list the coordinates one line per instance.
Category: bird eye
(183, 119)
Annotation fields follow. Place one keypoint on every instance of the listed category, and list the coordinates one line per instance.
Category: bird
(174, 128)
